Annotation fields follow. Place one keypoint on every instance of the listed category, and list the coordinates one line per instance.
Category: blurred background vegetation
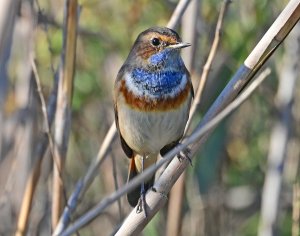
(224, 186)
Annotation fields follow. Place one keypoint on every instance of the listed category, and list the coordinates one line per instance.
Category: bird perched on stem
(152, 96)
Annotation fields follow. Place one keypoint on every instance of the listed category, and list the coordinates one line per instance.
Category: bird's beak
(179, 45)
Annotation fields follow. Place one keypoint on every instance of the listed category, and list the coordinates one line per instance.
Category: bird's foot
(185, 154)
(141, 205)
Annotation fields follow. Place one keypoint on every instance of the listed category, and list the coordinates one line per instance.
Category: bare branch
(83, 184)
(63, 108)
(266, 47)
(177, 14)
(208, 63)
(114, 172)
(39, 152)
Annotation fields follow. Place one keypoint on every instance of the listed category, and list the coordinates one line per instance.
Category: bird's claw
(141, 205)
(185, 154)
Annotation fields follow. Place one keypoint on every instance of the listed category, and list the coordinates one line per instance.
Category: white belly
(148, 132)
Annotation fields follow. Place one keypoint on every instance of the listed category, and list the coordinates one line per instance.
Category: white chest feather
(148, 132)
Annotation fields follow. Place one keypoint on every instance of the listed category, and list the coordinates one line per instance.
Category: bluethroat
(152, 96)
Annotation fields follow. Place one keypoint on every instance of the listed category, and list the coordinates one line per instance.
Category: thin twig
(84, 183)
(39, 152)
(35, 172)
(24, 130)
(209, 61)
(115, 177)
(263, 50)
(169, 156)
(175, 205)
(64, 100)
(177, 14)
(44, 107)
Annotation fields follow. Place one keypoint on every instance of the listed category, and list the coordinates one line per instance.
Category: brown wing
(168, 147)
(189, 78)
(128, 151)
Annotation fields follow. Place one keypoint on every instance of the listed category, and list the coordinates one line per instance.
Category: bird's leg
(142, 201)
(185, 153)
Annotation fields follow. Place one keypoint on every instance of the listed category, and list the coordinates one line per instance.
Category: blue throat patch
(156, 83)
(160, 57)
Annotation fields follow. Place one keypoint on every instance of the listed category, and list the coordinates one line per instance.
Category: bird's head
(156, 47)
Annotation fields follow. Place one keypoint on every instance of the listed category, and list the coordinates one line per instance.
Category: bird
(152, 97)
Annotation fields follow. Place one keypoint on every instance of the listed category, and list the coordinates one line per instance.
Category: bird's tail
(134, 169)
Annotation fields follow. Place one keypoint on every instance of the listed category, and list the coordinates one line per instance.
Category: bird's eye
(155, 41)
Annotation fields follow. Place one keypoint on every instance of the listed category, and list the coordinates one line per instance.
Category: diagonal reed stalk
(63, 107)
